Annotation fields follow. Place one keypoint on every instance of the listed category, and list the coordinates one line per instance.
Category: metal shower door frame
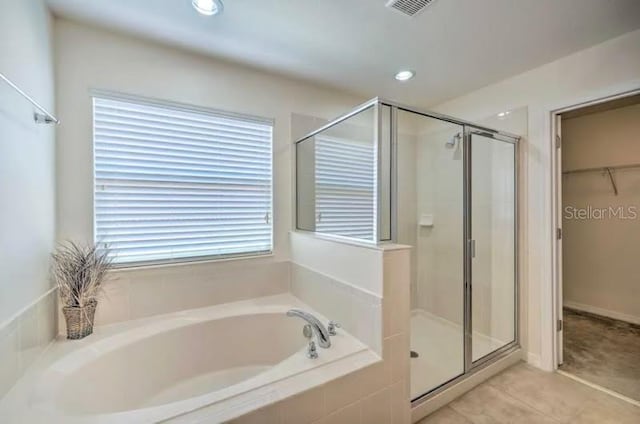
(470, 365)
(469, 129)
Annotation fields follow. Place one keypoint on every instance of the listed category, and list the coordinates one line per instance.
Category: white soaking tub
(210, 364)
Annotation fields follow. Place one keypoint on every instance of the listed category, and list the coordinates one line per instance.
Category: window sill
(135, 266)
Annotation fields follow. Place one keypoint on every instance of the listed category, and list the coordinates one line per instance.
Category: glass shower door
(430, 202)
(492, 244)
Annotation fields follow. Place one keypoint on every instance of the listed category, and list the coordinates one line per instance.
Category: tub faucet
(321, 332)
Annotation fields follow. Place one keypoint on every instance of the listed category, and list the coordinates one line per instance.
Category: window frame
(141, 100)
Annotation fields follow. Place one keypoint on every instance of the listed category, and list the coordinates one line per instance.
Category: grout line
(491, 383)
(17, 315)
(600, 388)
(336, 411)
(360, 292)
(526, 404)
(578, 412)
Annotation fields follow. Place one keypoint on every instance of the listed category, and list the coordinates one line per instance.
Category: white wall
(439, 253)
(26, 156)
(91, 58)
(605, 69)
(600, 256)
(407, 200)
(27, 305)
(607, 138)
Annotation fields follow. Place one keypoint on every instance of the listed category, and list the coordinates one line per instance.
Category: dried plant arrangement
(79, 272)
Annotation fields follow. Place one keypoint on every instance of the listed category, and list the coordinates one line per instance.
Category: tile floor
(524, 394)
(602, 351)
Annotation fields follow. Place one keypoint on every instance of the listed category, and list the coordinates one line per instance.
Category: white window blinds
(172, 183)
(345, 187)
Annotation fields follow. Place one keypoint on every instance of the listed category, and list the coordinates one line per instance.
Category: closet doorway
(598, 182)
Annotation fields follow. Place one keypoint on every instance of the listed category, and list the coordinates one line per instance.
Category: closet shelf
(601, 168)
(605, 170)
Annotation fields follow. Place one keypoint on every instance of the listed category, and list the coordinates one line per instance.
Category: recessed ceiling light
(504, 114)
(405, 75)
(208, 7)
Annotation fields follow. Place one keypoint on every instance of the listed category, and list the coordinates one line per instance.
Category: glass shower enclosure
(387, 172)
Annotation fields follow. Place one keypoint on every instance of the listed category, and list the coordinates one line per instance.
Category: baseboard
(600, 388)
(602, 312)
(533, 359)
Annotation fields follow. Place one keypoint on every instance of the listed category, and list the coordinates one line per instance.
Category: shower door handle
(472, 248)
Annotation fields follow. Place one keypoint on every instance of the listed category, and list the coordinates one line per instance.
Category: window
(177, 183)
(345, 187)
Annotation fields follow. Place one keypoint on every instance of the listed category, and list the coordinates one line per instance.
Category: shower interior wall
(430, 187)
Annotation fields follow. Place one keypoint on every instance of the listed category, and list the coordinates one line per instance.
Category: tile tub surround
(523, 394)
(135, 293)
(368, 386)
(356, 263)
(321, 275)
(372, 395)
(366, 271)
(357, 311)
(24, 337)
(40, 394)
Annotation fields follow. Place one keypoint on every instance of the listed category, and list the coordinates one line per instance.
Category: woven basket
(79, 320)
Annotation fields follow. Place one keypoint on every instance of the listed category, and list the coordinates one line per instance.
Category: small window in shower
(345, 187)
(337, 189)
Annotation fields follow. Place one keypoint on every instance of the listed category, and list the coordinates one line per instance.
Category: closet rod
(40, 118)
(613, 181)
(602, 168)
(606, 170)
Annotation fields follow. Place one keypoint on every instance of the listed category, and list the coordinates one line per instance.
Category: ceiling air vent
(408, 7)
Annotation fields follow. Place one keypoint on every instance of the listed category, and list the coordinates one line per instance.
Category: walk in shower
(387, 172)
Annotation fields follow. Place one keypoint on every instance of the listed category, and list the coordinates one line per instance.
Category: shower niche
(386, 172)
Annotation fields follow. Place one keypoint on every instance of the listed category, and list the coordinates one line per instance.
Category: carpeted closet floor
(603, 351)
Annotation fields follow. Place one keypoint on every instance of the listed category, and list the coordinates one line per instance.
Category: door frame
(470, 363)
(556, 224)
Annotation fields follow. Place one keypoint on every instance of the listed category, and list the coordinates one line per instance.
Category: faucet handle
(331, 328)
(307, 332)
(312, 351)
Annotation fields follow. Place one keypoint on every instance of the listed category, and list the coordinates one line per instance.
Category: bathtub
(206, 365)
